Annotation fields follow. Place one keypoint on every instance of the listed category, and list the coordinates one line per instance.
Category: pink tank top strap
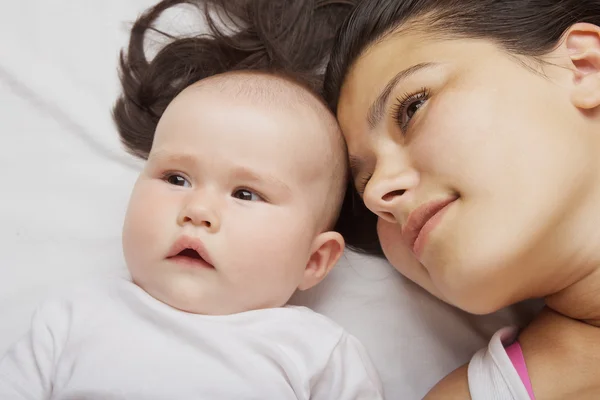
(515, 353)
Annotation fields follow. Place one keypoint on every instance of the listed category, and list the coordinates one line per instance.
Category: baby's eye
(177, 180)
(246, 195)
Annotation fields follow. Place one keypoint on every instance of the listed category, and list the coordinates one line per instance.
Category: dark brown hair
(521, 27)
(287, 38)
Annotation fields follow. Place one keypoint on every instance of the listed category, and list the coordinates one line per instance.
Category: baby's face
(224, 216)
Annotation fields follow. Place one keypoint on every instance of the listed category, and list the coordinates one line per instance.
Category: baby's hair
(291, 39)
(530, 28)
(288, 39)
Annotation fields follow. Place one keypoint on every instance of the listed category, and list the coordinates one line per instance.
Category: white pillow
(413, 338)
(65, 182)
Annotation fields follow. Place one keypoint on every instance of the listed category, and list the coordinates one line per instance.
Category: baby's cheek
(269, 255)
(139, 228)
(132, 240)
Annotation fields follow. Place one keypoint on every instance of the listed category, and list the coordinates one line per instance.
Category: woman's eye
(177, 180)
(246, 195)
(407, 107)
(412, 108)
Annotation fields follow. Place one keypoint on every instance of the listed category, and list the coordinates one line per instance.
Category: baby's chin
(193, 297)
(184, 299)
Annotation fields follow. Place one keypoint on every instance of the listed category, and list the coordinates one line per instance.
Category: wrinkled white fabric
(113, 340)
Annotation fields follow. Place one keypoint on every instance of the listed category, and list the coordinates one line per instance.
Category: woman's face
(473, 162)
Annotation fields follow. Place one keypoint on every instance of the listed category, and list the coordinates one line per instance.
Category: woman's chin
(475, 287)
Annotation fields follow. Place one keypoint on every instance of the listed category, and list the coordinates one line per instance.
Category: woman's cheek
(394, 248)
(402, 258)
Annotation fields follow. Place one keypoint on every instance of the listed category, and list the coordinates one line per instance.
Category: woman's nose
(386, 191)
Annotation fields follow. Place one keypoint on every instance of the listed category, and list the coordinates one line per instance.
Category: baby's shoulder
(311, 344)
(299, 327)
(87, 300)
(291, 317)
(312, 319)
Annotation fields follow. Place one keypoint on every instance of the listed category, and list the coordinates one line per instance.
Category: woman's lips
(422, 221)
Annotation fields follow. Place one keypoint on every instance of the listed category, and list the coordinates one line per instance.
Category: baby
(230, 215)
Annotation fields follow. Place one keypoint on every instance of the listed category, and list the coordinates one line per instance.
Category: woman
(473, 129)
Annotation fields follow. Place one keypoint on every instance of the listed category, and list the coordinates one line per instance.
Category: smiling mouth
(422, 221)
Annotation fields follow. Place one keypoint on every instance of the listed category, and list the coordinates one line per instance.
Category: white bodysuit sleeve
(491, 373)
(349, 374)
(26, 369)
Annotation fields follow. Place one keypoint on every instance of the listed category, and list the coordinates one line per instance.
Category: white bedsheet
(64, 184)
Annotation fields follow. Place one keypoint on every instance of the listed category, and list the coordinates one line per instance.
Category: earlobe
(582, 41)
(326, 251)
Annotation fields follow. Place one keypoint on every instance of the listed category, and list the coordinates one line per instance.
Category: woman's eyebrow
(376, 110)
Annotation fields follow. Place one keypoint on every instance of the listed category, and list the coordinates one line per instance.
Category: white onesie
(114, 341)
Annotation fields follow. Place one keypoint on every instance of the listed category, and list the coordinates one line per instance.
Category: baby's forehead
(268, 94)
(302, 114)
(265, 89)
(260, 89)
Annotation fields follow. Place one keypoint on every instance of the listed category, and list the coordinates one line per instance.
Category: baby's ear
(582, 43)
(326, 250)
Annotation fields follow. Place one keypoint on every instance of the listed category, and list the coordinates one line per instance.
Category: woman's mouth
(422, 221)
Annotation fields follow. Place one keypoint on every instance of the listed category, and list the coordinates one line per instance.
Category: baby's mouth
(192, 258)
(190, 253)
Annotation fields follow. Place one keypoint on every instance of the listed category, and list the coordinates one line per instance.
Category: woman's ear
(582, 42)
(326, 250)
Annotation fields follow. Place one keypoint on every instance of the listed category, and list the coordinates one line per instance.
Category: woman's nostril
(391, 195)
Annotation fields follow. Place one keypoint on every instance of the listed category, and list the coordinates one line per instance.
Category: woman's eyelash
(406, 104)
